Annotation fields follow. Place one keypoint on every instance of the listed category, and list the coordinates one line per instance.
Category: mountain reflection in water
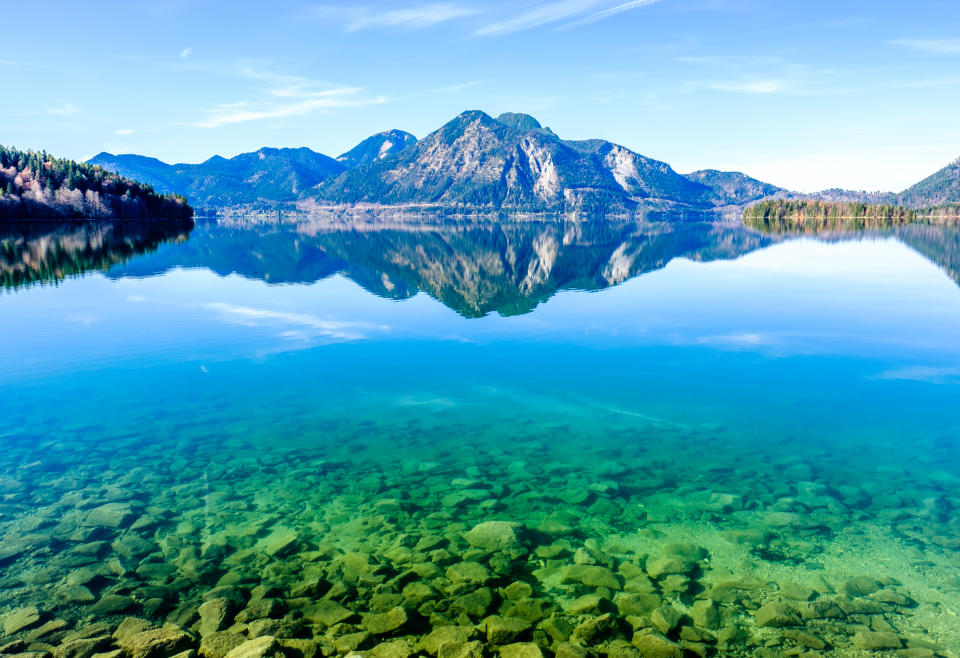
(474, 268)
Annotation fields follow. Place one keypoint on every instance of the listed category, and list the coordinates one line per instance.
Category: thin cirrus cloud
(281, 96)
(124, 132)
(576, 12)
(935, 46)
(607, 13)
(242, 112)
(412, 17)
(752, 87)
(63, 110)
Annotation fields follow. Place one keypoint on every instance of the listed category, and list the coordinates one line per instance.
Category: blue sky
(806, 95)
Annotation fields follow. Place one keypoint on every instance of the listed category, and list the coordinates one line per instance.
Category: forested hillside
(36, 185)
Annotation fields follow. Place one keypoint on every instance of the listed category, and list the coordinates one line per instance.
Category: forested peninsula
(36, 185)
(816, 215)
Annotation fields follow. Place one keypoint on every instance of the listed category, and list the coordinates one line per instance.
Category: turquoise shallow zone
(292, 440)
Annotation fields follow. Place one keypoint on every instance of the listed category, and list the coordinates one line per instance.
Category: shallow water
(750, 440)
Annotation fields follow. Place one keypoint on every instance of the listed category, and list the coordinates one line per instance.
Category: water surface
(751, 440)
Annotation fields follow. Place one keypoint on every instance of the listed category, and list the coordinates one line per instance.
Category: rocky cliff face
(513, 163)
(376, 147)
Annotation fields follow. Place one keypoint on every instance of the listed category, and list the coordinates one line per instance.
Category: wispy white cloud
(278, 96)
(243, 112)
(547, 13)
(63, 110)
(412, 17)
(935, 46)
(452, 89)
(607, 13)
(300, 326)
(123, 132)
(186, 53)
(771, 86)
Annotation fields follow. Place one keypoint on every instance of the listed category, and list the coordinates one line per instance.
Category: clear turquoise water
(312, 373)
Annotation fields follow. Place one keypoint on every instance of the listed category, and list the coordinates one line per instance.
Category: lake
(388, 438)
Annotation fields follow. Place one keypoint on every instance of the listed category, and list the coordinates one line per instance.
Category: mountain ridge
(480, 163)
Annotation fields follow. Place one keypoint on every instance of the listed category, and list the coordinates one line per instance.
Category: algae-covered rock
(558, 628)
(111, 515)
(795, 592)
(261, 647)
(503, 630)
(129, 627)
(385, 622)
(804, 639)
(876, 641)
(157, 643)
(654, 645)
(20, 619)
(214, 615)
(594, 629)
(393, 649)
(218, 645)
(495, 536)
(591, 576)
(82, 648)
(521, 650)
(517, 590)
(667, 566)
(567, 650)
(278, 542)
(859, 586)
(441, 636)
(777, 615)
(470, 572)
(666, 618)
(475, 604)
(472, 649)
(705, 614)
(326, 612)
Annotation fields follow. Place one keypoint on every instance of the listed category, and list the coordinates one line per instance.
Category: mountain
(512, 163)
(733, 188)
(940, 188)
(474, 162)
(36, 185)
(376, 147)
(265, 176)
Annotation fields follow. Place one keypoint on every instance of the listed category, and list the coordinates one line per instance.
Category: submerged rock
(777, 615)
(503, 630)
(218, 645)
(874, 641)
(495, 536)
(378, 624)
(326, 612)
(521, 650)
(157, 643)
(111, 515)
(20, 619)
(261, 647)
